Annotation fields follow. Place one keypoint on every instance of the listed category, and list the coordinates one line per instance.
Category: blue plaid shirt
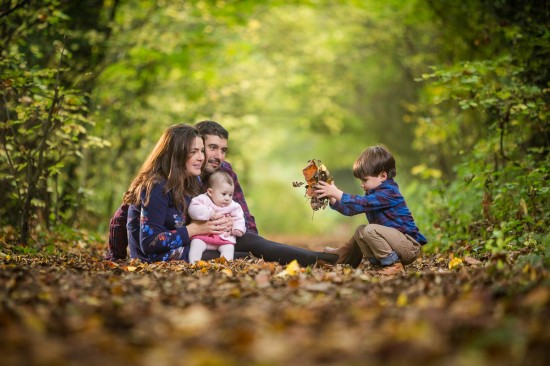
(383, 205)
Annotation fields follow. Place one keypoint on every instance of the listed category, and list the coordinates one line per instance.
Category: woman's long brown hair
(167, 162)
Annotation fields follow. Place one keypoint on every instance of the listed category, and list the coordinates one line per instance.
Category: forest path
(76, 308)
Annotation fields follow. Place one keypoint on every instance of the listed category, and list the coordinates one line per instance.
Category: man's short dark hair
(212, 128)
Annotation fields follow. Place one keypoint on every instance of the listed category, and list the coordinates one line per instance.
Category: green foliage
(489, 118)
(43, 128)
(327, 88)
(44, 118)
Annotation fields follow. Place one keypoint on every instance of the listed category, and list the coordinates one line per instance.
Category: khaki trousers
(385, 245)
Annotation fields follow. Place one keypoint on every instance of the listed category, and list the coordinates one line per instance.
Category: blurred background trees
(457, 90)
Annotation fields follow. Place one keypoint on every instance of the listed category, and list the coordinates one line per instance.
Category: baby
(218, 199)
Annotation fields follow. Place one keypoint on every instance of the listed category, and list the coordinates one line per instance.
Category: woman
(159, 197)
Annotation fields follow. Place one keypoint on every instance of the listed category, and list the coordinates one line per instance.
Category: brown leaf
(471, 261)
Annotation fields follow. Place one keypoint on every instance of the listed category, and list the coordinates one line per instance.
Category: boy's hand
(323, 189)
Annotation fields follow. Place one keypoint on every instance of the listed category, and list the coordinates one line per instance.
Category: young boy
(391, 238)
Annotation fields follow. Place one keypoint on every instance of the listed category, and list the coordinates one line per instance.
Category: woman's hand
(225, 222)
(323, 189)
(219, 224)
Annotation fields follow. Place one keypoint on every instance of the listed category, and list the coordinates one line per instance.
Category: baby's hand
(236, 232)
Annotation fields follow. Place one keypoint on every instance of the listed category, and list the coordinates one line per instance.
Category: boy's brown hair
(373, 161)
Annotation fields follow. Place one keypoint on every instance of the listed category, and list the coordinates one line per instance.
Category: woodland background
(458, 90)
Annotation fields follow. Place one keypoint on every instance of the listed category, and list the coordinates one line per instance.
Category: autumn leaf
(471, 261)
(201, 264)
(455, 262)
(291, 269)
(112, 264)
(401, 300)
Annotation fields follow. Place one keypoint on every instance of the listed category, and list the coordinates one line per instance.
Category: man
(215, 149)
(216, 145)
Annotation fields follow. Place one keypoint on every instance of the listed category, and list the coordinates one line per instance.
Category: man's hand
(323, 189)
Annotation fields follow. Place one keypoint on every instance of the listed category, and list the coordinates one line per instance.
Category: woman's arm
(159, 224)
(219, 224)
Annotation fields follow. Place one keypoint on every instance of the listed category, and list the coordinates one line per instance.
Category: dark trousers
(272, 251)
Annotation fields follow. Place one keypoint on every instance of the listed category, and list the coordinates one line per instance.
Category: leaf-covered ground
(76, 308)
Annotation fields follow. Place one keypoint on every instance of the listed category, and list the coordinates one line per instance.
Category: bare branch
(503, 122)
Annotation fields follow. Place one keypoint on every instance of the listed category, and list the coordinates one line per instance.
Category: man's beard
(209, 168)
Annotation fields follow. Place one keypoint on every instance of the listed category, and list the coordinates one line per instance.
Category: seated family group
(186, 203)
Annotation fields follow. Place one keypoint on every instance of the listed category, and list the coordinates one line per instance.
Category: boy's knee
(368, 231)
(359, 232)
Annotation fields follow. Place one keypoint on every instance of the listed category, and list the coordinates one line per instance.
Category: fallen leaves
(78, 308)
(291, 269)
(455, 262)
(472, 261)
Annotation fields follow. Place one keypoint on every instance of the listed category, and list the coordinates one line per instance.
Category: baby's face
(222, 194)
